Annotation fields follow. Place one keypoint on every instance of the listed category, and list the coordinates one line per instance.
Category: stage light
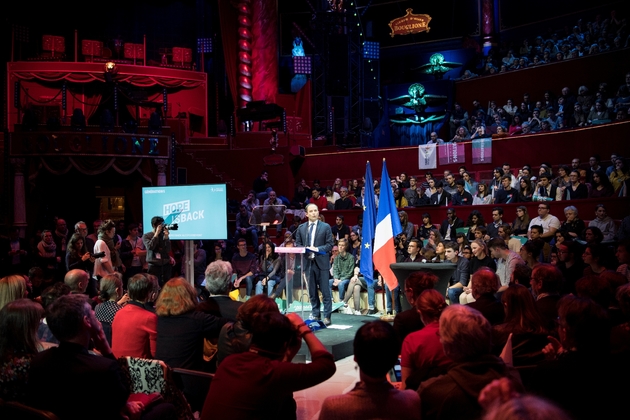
(204, 45)
(110, 67)
(302, 65)
(371, 50)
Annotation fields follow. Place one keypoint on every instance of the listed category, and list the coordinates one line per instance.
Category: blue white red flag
(387, 227)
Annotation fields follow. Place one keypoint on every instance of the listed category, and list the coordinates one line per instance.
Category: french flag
(387, 227)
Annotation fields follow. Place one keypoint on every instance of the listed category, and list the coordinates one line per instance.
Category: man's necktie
(309, 237)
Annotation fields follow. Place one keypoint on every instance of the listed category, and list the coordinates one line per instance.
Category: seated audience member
(244, 228)
(134, 330)
(580, 358)
(409, 320)
(269, 268)
(549, 222)
(523, 322)
(344, 202)
(570, 264)
(546, 282)
(520, 226)
(78, 281)
(482, 196)
(598, 115)
(600, 186)
(48, 296)
(440, 197)
(573, 225)
(112, 298)
(597, 259)
(180, 329)
(12, 287)
(448, 227)
(501, 402)
(422, 354)
(461, 196)
(460, 277)
(545, 191)
(575, 190)
(218, 278)
(376, 349)
(592, 235)
(604, 223)
(72, 321)
(536, 232)
(259, 383)
(342, 269)
(466, 336)
(19, 321)
(505, 258)
(461, 134)
(235, 337)
(484, 285)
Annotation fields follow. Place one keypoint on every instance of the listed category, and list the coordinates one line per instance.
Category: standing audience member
(158, 245)
(376, 349)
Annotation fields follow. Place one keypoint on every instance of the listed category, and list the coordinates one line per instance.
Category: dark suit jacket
(323, 241)
(444, 226)
(445, 196)
(490, 308)
(79, 377)
(220, 306)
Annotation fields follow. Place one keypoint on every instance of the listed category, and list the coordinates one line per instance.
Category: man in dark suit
(317, 237)
(450, 224)
(440, 197)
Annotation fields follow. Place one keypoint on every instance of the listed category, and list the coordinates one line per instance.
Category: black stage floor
(337, 337)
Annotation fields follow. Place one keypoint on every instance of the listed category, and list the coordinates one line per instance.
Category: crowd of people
(583, 39)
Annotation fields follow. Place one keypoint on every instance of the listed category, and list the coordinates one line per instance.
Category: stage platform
(337, 337)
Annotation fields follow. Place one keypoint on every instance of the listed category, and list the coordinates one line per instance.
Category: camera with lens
(98, 255)
(172, 226)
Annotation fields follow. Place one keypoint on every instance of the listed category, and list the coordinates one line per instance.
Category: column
(19, 196)
(161, 164)
(487, 24)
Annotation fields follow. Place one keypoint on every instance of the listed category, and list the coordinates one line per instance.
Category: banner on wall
(427, 156)
(482, 150)
(451, 153)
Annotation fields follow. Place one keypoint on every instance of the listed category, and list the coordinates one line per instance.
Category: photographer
(158, 247)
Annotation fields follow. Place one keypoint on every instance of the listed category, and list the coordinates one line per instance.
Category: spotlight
(110, 67)
(371, 50)
(302, 65)
(204, 45)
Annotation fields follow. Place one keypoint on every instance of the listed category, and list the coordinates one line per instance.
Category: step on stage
(338, 337)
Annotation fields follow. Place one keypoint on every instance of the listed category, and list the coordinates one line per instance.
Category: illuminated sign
(410, 24)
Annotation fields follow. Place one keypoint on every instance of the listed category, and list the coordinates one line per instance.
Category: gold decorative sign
(410, 24)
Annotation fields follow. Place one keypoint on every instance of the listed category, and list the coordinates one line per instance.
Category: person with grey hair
(466, 337)
(219, 276)
(344, 202)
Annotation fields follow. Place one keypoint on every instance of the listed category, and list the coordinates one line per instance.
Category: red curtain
(265, 50)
